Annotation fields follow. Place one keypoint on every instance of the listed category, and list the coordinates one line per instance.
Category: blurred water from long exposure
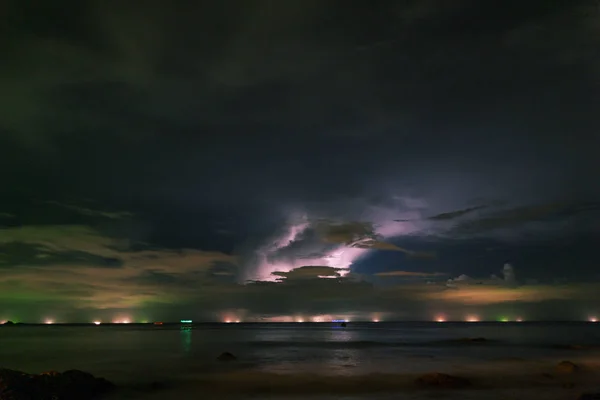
(133, 355)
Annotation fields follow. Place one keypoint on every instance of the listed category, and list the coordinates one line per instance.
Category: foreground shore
(565, 380)
(387, 361)
(562, 381)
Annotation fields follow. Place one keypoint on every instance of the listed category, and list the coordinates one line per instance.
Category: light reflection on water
(186, 338)
(328, 348)
(343, 359)
(131, 354)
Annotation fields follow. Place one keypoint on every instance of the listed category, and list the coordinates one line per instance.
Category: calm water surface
(133, 355)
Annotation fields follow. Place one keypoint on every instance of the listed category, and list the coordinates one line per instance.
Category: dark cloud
(309, 272)
(22, 254)
(411, 274)
(157, 278)
(179, 149)
(455, 214)
(518, 216)
(91, 212)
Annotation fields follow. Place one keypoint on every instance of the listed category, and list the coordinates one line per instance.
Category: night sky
(299, 159)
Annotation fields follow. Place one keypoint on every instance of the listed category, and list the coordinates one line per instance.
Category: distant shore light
(593, 319)
(97, 322)
(472, 318)
(49, 322)
(440, 319)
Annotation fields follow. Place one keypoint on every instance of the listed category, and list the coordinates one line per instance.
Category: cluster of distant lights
(120, 321)
(439, 318)
(475, 318)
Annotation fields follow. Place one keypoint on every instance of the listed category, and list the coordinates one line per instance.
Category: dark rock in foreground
(9, 323)
(226, 356)
(69, 385)
(589, 396)
(438, 380)
(566, 367)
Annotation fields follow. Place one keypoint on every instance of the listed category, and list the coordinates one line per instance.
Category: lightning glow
(341, 256)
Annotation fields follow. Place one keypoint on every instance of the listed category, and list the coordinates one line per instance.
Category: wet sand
(500, 379)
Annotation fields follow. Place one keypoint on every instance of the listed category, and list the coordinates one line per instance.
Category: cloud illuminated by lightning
(283, 252)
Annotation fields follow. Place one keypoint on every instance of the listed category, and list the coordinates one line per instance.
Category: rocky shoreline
(52, 385)
(80, 385)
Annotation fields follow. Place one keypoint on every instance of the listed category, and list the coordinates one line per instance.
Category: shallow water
(368, 360)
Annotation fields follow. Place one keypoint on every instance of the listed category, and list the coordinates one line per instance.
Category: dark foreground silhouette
(69, 385)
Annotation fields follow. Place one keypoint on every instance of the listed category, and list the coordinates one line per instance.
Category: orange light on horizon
(48, 322)
(519, 319)
(472, 318)
(593, 319)
(440, 319)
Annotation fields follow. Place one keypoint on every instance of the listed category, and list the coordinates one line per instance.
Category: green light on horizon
(503, 319)
(186, 321)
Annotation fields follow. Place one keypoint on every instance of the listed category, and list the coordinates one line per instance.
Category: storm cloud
(257, 158)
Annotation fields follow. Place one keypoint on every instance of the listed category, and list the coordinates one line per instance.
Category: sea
(320, 361)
